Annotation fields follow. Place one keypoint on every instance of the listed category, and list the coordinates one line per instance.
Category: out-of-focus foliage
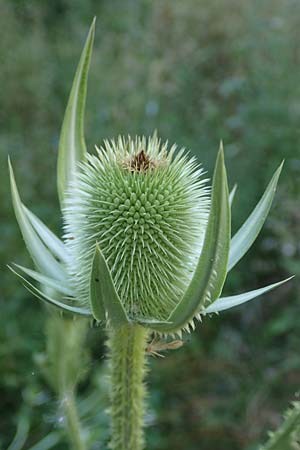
(197, 72)
(286, 437)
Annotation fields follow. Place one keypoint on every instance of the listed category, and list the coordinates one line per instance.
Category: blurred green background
(197, 71)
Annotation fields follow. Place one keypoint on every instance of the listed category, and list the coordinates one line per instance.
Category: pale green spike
(41, 256)
(52, 301)
(224, 303)
(54, 244)
(72, 147)
(246, 235)
(103, 295)
(209, 276)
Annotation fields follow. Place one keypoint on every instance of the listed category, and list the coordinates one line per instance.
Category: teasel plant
(145, 252)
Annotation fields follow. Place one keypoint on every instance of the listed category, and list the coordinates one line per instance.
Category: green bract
(146, 240)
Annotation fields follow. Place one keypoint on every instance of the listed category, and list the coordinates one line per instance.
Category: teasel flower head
(146, 239)
(147, 209)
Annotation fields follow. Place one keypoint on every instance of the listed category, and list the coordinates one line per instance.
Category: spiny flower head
(147, 208)
(145, 239)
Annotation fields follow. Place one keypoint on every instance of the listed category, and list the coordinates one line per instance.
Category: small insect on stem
(154, 347)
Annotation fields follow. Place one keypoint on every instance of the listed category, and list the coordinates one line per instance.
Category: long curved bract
(210, 273)
(224, 303)
(51, 300)
(246, 235)
(40, 254)
(72, 147)
(104, 298)
(52, 242)
(47, 282)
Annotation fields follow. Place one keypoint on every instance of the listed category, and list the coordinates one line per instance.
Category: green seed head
(147, 208)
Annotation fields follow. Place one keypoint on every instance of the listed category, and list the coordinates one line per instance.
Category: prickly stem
(127, 346)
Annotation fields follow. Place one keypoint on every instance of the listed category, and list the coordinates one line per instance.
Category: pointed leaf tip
(103, 295)
(224, 303)
(246, 235)
(72, 147)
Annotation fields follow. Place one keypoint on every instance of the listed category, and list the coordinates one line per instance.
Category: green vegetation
(225, 69)
(286, 437)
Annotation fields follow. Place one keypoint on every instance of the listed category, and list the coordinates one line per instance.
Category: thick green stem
(127, 364)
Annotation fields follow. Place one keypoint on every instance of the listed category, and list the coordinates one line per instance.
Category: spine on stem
(127, 370)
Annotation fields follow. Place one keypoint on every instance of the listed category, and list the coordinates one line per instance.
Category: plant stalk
(73, 427)
(65, 343)
(127, 347)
